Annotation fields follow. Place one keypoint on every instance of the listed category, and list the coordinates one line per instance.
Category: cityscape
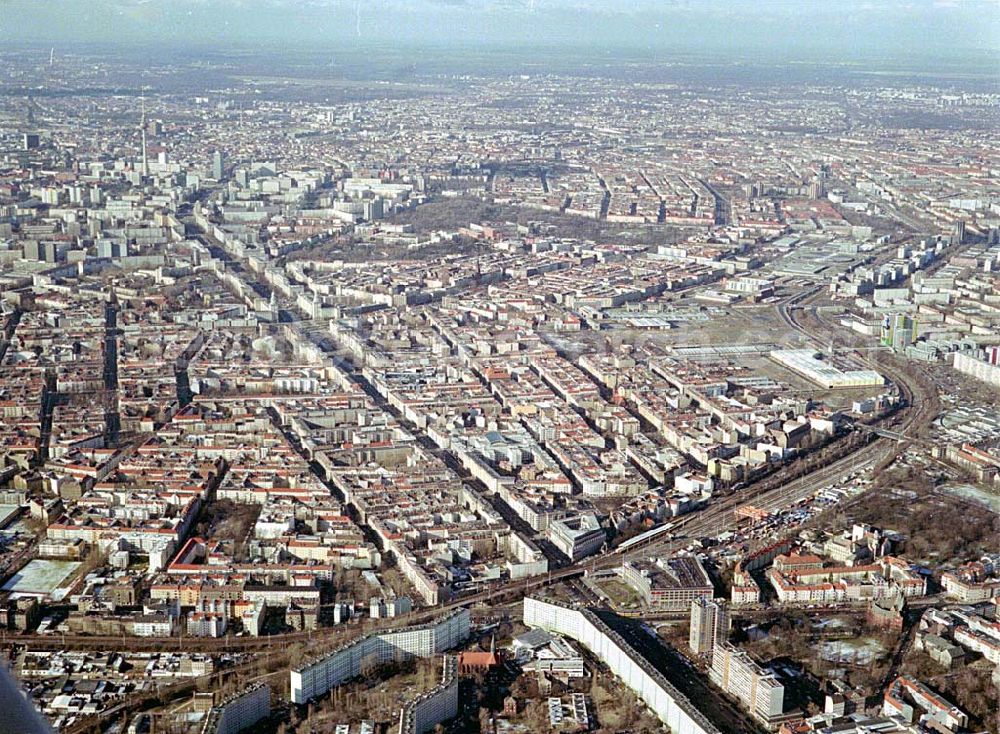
(406, 385)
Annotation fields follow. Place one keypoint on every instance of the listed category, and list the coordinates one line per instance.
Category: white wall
(669, 704)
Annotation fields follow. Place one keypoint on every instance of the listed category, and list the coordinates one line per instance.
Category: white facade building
(709, 624)
(978, 368)
(436, 705)
(757, 689)
(669, 704)
(239, 712)
(578, 537)
(805, 362)
(318, 676)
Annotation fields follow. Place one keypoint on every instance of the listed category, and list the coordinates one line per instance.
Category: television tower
(142, 129)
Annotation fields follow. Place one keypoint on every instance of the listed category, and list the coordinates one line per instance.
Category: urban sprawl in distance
(507, 398)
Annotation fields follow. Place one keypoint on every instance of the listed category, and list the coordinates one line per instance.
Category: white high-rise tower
(709, 624)
(142, 129)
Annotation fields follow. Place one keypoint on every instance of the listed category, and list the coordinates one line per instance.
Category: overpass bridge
(888, 433)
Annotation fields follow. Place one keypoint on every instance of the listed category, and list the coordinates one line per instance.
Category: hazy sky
(914, 28)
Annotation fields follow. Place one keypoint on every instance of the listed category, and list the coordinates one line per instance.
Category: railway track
(917, 410)
(717, 518)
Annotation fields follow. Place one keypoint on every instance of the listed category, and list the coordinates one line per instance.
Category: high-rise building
(218, 165)
(958, 232)
(374, 208)
(31, 141)
(898, 331)
(709, 624)
(757, 689)
(821, 183)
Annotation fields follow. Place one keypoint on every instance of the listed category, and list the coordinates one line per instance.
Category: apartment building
(577, 536)
(239, 712)
(669, 705)
(432, 707)
(757, 689)
(905, 695)
(709, 624)
(318, 676)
